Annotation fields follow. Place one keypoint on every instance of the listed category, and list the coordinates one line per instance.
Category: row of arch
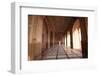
(76, 32)
(76, 37)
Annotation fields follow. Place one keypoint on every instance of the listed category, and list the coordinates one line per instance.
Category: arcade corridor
(57, 37)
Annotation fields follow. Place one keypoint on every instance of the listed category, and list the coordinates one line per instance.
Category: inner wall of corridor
(57, 37)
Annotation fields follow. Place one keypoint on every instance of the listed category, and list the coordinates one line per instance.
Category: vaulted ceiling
(59, 23)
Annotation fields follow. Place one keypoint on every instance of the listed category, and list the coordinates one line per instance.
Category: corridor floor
(60, 52)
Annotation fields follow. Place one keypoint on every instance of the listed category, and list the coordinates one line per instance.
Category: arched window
(76, 35)
(65, 41)
(68, 39)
